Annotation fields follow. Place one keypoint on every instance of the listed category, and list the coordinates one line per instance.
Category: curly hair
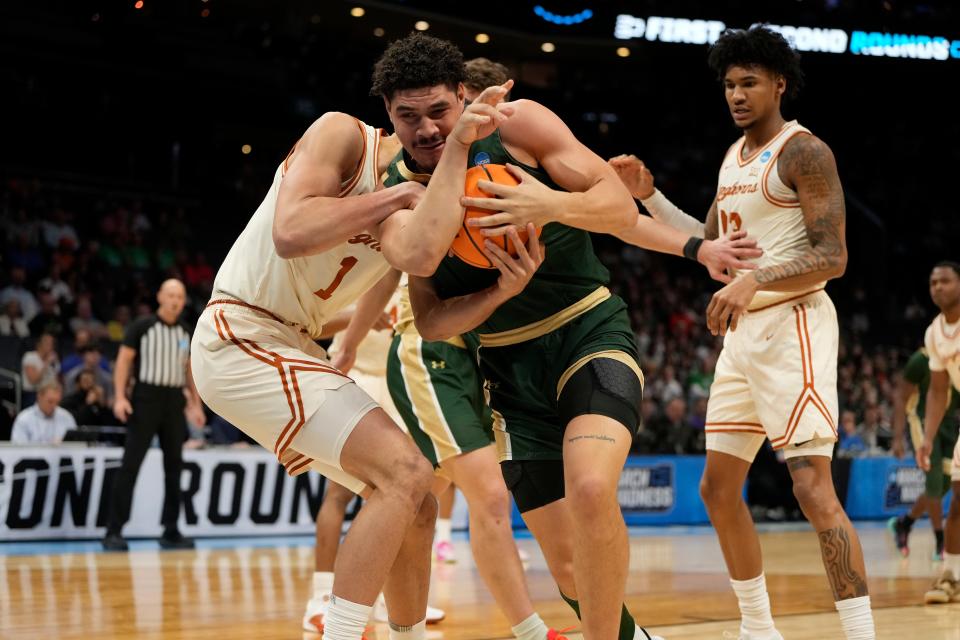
(416, 61)
(948, 264)
(761, 46)
(482, 73)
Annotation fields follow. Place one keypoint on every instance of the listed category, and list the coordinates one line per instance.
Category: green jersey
(917, 371)
(571, 270)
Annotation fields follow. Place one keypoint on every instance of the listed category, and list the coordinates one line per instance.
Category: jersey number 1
(345, 265)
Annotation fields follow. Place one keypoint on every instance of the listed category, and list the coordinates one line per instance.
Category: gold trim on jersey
(423, 397)
(619, 356)
(545, 326)
(407, 174)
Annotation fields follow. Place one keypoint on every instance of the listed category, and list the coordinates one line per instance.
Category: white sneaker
(434, 615)
(313, 616)
(641, 634)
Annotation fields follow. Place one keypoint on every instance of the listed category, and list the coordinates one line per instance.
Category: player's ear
(781, 86)
(461, 93)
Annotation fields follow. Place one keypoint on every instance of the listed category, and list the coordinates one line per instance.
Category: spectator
(48, 319)
(851, 443)
(12, 322)
(39, 367)
(43, 422)
(876, 435)
(58, 232)
(118, 326)
(53, 283)
(198, 274)
(671, 432)
(16, 290)
(91, 361)
(75, 359)
(86, 320)
(88, 402)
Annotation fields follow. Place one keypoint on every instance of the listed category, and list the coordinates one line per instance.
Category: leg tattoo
(845, 581)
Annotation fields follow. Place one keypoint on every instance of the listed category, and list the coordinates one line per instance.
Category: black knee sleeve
(605, 387)
(533, 483)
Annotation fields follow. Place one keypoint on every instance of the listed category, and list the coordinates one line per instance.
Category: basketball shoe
(945, 589)
(434, 615)
(901, 534)
(444, 553)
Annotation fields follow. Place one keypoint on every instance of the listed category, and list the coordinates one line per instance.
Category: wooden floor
(677, 587)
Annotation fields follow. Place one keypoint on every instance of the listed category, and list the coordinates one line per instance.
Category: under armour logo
(438, 364)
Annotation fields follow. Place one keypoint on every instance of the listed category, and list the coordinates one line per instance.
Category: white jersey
(752, 197)
(373, 350)
(943, 348)
(309, 290)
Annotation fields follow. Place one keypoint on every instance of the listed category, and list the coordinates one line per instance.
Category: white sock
(322, 584)
(951, 563)
(345, 620)
(416, 632)
(533, 628)
(754, 603)
(444, 527)
(856, 618)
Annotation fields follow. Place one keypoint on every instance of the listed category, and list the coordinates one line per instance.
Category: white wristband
(670, 214)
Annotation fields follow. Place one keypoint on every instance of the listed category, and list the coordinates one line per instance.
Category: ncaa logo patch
(765, 156)
(481, 158)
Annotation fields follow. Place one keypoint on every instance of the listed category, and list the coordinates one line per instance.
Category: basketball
(468, 245)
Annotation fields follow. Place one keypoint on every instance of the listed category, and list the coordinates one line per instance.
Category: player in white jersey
(323, 235)
(943, 348)
(776, 375)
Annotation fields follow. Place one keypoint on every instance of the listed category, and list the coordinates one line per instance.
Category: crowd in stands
(77, 268)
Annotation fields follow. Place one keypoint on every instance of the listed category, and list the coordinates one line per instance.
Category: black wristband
(692, 247)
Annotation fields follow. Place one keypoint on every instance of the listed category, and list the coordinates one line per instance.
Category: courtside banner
(657, 490)
(883, 487)
(59, 492)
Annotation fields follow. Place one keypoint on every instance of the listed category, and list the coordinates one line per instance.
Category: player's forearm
(444, 319)
(424, 236)
(670, 214)
(369, 308)
(936, 405)
(900, 398)
(606, 207)
(648, 233)
(808, 270)
(336, 324)
(315, 224)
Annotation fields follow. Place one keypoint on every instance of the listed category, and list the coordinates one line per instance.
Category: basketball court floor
(255, 588)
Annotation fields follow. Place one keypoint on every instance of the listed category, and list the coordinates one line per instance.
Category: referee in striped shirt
(156, 349)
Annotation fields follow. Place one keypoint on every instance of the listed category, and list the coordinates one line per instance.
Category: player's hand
(897, 448)
(122, 409)
(730, 252)
(531, 201)
(923, 455)
(483, 115)
(634, 175)
(344, 359)
(516, 272)
(728, 305)
(410, 193)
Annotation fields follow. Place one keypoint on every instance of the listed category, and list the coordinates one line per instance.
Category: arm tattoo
(711, 228)
(807, 164)
(591, 437)
(844, 579)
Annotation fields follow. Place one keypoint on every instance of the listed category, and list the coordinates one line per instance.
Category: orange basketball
(468, 245)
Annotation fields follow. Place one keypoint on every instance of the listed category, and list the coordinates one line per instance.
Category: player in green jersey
(559, 360)
(909, 405)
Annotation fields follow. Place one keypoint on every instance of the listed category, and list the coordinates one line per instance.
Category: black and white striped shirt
(162, 351)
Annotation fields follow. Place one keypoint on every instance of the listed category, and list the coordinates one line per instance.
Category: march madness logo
(647, 489)
(904, 486)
